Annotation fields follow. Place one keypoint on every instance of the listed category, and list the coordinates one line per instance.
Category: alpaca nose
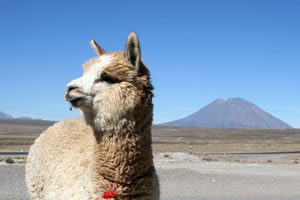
(72, 92)
(71, 87)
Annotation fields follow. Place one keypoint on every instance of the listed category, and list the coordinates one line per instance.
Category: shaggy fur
(81, 158)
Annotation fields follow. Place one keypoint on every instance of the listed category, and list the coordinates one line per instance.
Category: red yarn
(109, 194)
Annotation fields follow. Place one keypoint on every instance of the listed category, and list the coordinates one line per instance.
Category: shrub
(166, 155)
(9, 160)
(296, 162)
(209, 158)
(20, 158)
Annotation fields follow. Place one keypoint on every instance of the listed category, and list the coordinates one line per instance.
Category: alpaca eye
(109, 79)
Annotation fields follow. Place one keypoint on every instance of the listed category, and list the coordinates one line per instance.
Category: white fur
(86, 82)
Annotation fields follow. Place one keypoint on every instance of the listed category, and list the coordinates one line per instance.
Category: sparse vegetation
(21, 159)
(165, 138)
(166, 155)
(9, 160)
(209, 158)
(227, 159)
(296, 162)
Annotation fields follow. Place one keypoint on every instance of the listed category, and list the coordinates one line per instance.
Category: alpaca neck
(124, 158)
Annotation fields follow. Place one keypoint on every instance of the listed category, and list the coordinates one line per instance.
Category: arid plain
(18, 135)
(208, 143)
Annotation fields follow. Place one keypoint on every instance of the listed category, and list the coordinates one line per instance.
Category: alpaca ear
(97, 48)
(132, 50)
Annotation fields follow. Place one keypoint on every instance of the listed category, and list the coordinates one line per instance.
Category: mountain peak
(231, 113)
(229, 100)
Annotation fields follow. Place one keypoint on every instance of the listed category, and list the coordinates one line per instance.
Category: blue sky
(197, 51)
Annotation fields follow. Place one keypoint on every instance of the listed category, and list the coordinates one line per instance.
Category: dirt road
(229, 181)
(197, 180)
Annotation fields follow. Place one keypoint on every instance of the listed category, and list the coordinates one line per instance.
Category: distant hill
(5, 115)
(8, 116)
(231, 113)
(25, 118)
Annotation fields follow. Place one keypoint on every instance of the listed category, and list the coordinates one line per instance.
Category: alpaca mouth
(74, 99)
(76, 102)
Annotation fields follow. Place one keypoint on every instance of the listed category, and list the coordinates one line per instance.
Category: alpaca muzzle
(74, 95)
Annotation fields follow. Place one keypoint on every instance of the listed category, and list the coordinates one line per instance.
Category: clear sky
(197, 51)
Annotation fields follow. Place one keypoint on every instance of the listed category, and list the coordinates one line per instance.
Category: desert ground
(224, 140)
(18, 135)
(209, 172)
(210, 144)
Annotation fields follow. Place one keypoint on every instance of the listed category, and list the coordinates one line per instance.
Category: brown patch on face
(118, 56)
(120, 68)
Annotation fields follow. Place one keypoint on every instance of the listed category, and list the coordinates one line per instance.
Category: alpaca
(110, 148)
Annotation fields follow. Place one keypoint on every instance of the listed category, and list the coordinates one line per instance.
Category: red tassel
(109, 194)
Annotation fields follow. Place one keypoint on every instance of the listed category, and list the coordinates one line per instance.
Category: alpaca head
(113, 89)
